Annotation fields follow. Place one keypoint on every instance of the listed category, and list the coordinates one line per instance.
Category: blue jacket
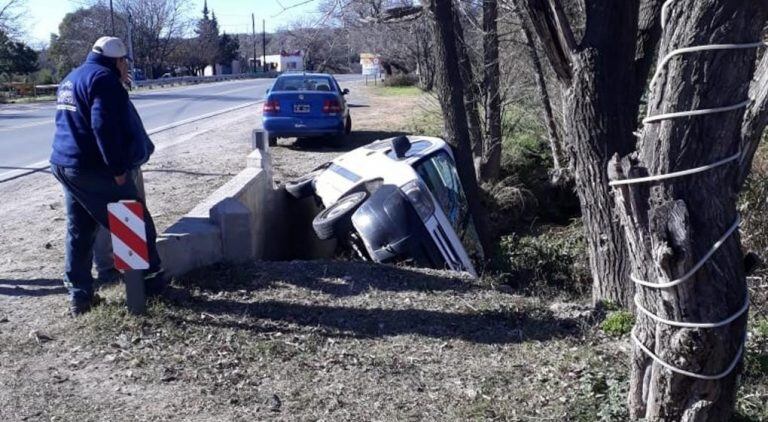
(96, 125)
(141, 146)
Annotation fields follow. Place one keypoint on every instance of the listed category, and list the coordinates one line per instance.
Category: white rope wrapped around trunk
(696, 267)
(680, 324)
(655, 178)
(688, 373)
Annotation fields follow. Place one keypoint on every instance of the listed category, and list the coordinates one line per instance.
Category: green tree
(228, 49)
(77, 33)
(207, 32)
(16, 58)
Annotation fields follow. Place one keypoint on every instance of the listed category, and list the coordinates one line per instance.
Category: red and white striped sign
(129, 235)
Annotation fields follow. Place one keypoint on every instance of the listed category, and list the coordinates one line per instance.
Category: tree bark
(471, 96)
(600, 120)
(451, 93)
(491, 151)
(648, 34)
(671, 225)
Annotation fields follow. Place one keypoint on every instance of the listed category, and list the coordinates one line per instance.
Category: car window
(303, 83)
(439, 173)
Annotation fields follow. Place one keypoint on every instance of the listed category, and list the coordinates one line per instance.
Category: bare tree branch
(556, 34)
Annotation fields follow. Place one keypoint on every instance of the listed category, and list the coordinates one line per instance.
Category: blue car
(305, 105)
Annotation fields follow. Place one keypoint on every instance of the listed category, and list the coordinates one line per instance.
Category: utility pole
(264, 44)
(112, 17)
(130, 45)
(253, 28)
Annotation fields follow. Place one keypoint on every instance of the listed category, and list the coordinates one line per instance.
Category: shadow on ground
(31, 287)
(186, 172)
(24, 171)
(230, 297)
(339, 279)
(356, 139)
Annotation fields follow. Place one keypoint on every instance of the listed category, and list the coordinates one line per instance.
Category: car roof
(285, 75)
(420, 146)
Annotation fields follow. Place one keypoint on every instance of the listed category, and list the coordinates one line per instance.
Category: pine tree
(207, 31)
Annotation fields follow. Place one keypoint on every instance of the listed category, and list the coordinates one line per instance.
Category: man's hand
(120, 180)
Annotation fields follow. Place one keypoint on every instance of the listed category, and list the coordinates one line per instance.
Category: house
(284, 62)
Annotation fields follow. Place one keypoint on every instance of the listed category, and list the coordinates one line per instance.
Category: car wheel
(272, 141)
(302, 187)
(336, 220)
(348, 125)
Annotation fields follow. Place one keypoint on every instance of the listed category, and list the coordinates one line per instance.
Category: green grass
(397, 91)
(618, 323)
(425, 123)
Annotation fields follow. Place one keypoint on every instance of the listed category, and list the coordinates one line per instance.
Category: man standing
(92, 154)
(142, 149)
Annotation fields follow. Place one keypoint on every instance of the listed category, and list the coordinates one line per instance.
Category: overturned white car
(396, 200)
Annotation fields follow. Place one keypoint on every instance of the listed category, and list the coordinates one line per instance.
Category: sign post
(129, 246)
(371, 65)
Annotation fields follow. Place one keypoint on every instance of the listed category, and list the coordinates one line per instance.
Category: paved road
(26, 130)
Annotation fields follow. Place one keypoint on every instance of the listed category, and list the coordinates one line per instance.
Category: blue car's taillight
(271, 107)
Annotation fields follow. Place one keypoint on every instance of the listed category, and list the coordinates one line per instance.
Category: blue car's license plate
(301, 108)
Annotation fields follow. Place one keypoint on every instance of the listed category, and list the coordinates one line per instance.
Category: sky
(234, 16)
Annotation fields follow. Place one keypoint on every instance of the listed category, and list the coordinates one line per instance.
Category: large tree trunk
(471, 95)
(671, 225)
(599, 123)
(491, 163)
(451, 93)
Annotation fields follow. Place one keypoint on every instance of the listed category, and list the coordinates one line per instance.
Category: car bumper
(289, 127)
(392, 231)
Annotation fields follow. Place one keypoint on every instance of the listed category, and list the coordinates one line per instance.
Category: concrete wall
(249, 218)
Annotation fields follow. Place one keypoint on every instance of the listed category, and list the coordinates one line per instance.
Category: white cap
(110, 47)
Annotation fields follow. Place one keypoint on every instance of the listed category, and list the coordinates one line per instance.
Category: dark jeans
(86, 194)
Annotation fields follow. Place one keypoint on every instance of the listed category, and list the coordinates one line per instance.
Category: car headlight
(417, 193)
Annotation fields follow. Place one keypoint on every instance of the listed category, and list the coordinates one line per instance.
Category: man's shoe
(110, 276)
(80, 306)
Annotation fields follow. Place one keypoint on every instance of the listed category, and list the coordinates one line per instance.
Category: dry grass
(331, 341)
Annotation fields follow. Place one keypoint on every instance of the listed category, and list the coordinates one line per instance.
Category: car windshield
(439, 174)
(416, 148)
(303, 83)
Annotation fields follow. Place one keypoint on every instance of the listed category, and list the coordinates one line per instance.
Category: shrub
(400, 80)
(527, 162)
(618, 323)
(552, 262)
(754, 206)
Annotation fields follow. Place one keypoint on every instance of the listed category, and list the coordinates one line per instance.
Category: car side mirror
(401, 145)
(345, 91)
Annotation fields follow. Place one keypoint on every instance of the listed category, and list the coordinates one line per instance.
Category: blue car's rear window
(303, 83)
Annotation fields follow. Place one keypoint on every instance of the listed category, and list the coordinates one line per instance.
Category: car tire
(348, 125)
(336, 220)
(272, 141)
(302, 187)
